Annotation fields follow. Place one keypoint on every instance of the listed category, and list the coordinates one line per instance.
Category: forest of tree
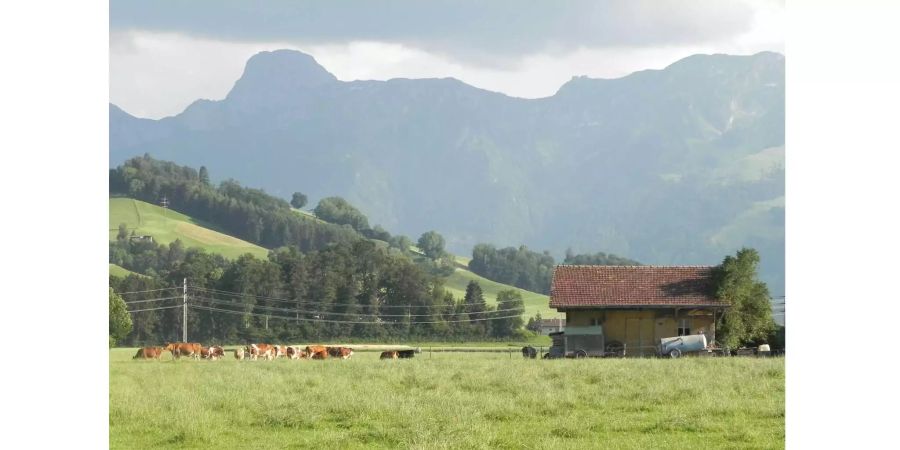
(323, 280)
(249, 214)
(346, 290)
(527, 269)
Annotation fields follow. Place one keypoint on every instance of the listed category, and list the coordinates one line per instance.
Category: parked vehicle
(583, 342)
(674, 347)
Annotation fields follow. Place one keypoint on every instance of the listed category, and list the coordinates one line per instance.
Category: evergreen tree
(123, 232)
(509, 303)
(534, 323)
(119, 319)
(475, 308)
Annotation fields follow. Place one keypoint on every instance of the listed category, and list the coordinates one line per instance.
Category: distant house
(552, 325)
(144, 238)
(638, 305)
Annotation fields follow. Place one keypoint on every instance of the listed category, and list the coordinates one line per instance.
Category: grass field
(534, 302)
(446, 400)
(120, 271)
(166, 225)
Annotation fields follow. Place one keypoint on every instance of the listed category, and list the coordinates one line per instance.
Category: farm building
(552, 326)
(638, 305)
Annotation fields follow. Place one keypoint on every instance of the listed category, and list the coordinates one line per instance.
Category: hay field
(446, 400)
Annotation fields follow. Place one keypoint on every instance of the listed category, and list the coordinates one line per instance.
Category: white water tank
(678, 345)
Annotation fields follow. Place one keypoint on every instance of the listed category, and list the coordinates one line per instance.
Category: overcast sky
(165, 54)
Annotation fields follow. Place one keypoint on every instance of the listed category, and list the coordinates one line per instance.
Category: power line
(149, 290)
(292, 310)
(310, 302)
(151, 300)
(209, 308)
(153, 309)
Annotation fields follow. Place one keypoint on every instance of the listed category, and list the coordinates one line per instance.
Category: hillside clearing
(534, 302)
(121, 272)
(166, 226)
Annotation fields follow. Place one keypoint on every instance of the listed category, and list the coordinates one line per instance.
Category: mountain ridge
(624, 165)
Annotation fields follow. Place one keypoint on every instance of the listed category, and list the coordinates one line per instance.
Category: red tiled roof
(610, 286)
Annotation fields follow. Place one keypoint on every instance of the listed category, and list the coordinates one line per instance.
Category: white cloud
(156, 74)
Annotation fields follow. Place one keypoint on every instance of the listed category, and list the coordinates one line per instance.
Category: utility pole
(184, 314)
(165, 204)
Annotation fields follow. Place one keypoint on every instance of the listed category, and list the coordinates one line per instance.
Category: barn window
(684, 327)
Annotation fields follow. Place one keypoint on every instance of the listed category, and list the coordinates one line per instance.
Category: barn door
(639, 337)
(633, 336)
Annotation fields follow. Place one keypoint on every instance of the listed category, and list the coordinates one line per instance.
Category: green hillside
(166, 226)
(456, 284)
(120, 271)
(534, 302)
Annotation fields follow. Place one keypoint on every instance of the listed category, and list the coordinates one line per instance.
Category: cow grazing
(406, 354)
(295, 352)
(204, 352)
(389, 355)
(148, 353)
(529, 352)
(239, 353)
(340, 352)
(216, 352)
(311, 350)
(262, 351)
(279, 351)
(180, 349)
(321, 354)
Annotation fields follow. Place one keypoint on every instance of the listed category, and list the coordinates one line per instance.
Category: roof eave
(633, 306)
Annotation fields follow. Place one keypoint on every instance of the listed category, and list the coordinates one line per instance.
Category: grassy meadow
(534, 302)
(446, 400)
(166, 225)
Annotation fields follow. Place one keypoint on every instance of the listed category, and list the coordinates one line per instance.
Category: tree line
(247, 213)
(528, 269)
(293, 297)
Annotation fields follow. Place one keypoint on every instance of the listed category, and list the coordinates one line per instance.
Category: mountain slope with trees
(672, 166)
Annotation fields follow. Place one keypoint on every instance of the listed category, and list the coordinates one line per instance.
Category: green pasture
(166, 226)
(534, 302)
(119, 271)
(446, 400)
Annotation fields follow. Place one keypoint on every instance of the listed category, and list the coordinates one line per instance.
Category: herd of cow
(259, 351)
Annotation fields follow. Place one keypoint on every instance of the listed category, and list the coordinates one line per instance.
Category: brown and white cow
(279, 351)
(312, 350)
(266, 351)
(204, 352)
(216, 352)
(389, 355)
(295, 352)
(179, 349)
(321, 354)
(148, 353)
(340, 352)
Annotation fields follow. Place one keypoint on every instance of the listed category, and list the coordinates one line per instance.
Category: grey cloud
(485, 31)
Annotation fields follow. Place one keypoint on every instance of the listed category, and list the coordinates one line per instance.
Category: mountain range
(681, 165)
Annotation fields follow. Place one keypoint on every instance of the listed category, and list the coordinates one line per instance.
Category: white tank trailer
(674, 347)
